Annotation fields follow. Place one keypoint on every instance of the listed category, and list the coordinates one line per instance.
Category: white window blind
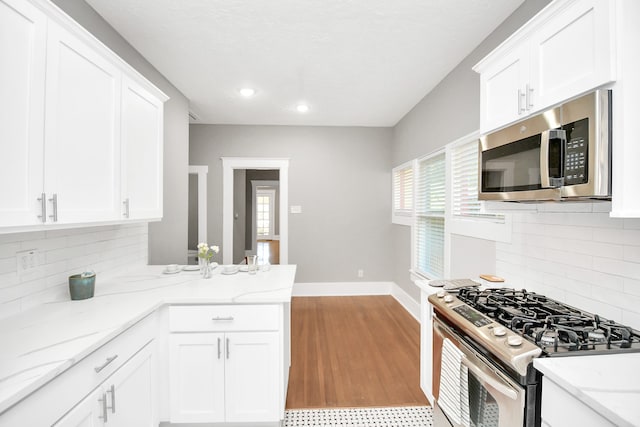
(464, 184)
(402, 193)
(430, 211)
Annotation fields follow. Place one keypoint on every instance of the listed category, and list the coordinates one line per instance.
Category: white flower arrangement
(206, 252)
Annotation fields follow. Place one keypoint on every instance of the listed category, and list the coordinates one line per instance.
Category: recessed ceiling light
(302, 108)
(247, 92)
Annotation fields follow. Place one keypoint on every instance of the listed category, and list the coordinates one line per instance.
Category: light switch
(296, 209)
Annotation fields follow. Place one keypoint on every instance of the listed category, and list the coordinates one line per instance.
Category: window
(467, 214)
(403, 194)
(430, 217)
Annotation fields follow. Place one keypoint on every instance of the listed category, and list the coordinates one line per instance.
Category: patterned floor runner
(406, 416)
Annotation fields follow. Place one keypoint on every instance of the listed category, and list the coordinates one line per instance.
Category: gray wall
(340, 176)
(168, 238)
(450, 111)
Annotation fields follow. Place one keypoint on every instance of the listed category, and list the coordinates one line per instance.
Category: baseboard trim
(409, 304)
(325, 289)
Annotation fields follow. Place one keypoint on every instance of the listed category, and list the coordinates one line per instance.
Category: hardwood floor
(269, 250)
(353, 352)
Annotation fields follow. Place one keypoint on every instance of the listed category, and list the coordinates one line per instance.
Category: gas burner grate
(553, 326)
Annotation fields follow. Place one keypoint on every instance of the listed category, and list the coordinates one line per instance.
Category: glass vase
(205, 267)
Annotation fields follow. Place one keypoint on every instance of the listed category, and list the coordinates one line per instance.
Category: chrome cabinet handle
(222, 319)
(126, 208)
(103, 401)
(227, 348)
(529, 97)
(54, 202)
(219, 350)
(521, 96)
(112, 390)
(106, 363)
(43, 207)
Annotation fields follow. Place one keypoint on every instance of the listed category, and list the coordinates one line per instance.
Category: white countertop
(609, 384)
(39, 344)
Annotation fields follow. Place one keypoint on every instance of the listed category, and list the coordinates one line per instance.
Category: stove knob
(499, 331)
(514, 340)
(441, 294)
(448, 298)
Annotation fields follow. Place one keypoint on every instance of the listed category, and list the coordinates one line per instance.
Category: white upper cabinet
(82, 150)
(142, 121)
(503, 86)
(22, 76)
(564, 51)
(80, 130)
(572, 53)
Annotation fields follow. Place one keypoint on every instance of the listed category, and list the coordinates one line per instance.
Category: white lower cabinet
(125, 399)
(196, 378)
(225, 365)
(562, 409)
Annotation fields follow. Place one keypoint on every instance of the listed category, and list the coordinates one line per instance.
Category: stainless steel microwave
(561, 154)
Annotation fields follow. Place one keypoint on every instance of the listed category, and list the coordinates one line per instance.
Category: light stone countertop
(40, 344)
(609, 384)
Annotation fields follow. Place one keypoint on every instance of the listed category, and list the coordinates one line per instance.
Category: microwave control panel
(576, 153)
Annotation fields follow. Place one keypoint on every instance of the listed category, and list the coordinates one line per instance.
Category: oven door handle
(489, 380)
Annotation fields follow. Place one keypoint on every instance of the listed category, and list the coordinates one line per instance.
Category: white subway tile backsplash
(632, 253)
(631, 286)
(578, 254)
(65, 252)
(620, 236)
(632, 223)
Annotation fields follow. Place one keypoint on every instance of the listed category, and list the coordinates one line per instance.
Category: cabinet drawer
(57, 397)
(201, 318)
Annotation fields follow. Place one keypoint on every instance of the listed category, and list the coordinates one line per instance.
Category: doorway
(265, 235)
(275, 241)
(197, 212)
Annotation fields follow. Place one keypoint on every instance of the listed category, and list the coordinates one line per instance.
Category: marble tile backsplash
(62, 253)
(577, 254)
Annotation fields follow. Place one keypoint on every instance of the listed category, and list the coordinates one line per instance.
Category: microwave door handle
(544, 160)
(500, 386)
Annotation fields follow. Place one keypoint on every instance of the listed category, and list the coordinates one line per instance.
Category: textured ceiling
(355, 62)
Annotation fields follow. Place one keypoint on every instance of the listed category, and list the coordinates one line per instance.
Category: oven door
(494, 399)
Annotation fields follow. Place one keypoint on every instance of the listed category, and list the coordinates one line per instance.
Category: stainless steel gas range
(484, 343)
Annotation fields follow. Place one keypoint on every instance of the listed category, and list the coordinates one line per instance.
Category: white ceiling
(355, 62)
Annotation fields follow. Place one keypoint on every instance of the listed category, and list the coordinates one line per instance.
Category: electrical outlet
(361, 273)
(27, 260)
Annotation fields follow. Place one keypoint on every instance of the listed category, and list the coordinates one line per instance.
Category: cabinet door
(22, 78)
(131, 392)
(503, 89)
(142, 121)
(251, 376)
(82, 150)
(572, 52)
(196, 378)
(87, 413)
